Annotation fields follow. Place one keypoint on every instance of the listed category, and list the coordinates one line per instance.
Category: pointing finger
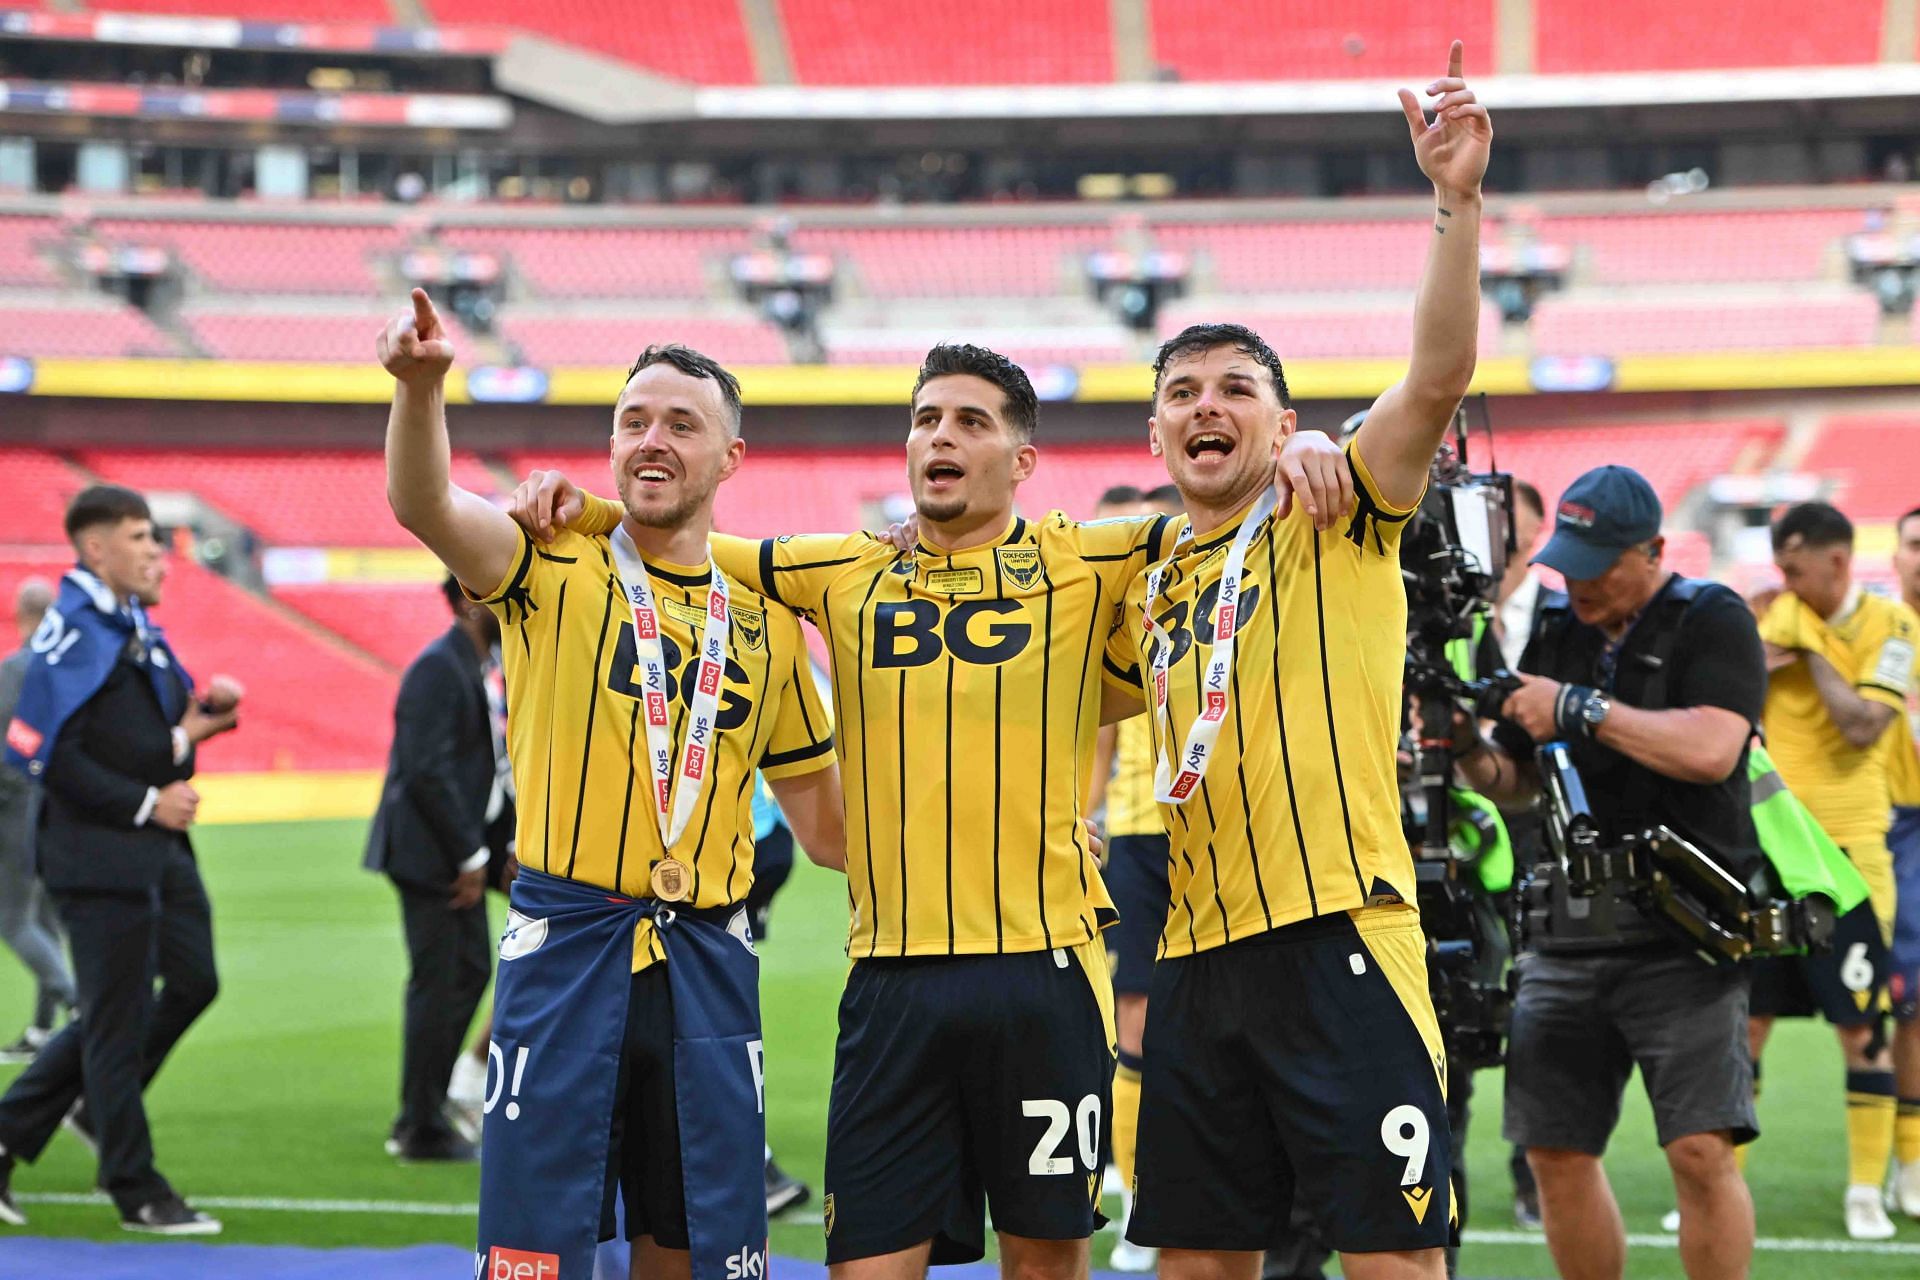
(425, 318)
(1455, 57)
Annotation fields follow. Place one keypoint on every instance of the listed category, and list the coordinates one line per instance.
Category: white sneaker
(1128, 1256)
(1906, 1188)
(1670, 1221)
(1866, 1216)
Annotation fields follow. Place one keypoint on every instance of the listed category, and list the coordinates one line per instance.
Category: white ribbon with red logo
(1216, 686)
(674, 789)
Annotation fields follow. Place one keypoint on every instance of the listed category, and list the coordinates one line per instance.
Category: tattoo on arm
(1441, 227)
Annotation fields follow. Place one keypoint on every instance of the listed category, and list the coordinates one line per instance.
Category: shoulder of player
(1112, 538)
(1891, 616)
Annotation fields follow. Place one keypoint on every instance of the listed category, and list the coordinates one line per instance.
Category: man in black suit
(109, 723)
(443, 795)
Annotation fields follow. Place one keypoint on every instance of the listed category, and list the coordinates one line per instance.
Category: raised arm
(472, 537)
(1408, 421)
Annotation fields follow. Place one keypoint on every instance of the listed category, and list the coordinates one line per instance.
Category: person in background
(1903, 841)
(28, 923)
(429, 836)
(772, 864)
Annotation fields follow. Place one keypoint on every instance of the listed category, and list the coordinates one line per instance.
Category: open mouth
(1209, 443)
(651, 473)
(940, 474)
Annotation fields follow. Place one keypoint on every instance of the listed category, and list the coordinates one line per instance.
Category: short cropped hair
(103, 504)
(1121, 495)
(1166, 498)
(1530, 498)
(1198, 339)
(953, 358)
(1816, 524)
(696, 365)
(456, 598)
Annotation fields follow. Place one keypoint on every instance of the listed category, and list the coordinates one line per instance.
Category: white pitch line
(440, 1209)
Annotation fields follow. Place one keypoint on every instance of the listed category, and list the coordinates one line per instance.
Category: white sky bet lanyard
(675, 790)
(1217, 684)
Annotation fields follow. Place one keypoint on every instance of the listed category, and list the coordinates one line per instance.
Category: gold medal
(672, 882)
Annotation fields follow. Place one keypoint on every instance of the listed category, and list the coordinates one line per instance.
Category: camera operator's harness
(1789, 907)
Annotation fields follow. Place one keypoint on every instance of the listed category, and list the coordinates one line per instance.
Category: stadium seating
(1267, 257)
(1660, 35)
(1783, 244)
(22, 240)
(290, 498)
(1028, 351)
(38, 486)
(391, 621)
(550, 339)
(1674, 457)
(614, 262)
(375, 11)
(1569, 326)
(264, 257)
(704, 41)
(1213, 40)
(923, 42)
(1317, 330)
(1873, 461)
(79, 325)
(949, 262)
(232, 334)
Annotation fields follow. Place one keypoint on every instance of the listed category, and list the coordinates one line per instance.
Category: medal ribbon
(1216, 688)
(675, 789)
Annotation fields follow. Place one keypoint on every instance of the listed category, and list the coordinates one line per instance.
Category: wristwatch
(1593, 711)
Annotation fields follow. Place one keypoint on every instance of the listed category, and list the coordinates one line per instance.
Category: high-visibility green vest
(1479, 830)
(1802, 853)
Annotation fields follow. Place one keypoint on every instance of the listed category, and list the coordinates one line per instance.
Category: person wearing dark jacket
(430, 835)
(109, 722)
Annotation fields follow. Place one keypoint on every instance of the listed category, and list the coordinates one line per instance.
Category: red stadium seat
(1674, 457)
(611, 262)
(1301, 257)
(1659, 35)
(24, 242)
(576, 339)
(923, 42)
(1653, 248)
(1026, 352)
(267, 257)
(1213, 40)
(704, 41)
(1874, 462)
(965, 262)
(374, 11)
(392, 621)
(1382, 332)
(79, 325)
(292, 498)
(283, 335)
(38, 486)
(1569, 326)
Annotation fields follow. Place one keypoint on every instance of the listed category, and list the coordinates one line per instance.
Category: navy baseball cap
(1601, 514)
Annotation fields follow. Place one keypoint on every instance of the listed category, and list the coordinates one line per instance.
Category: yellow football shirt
(576, 736)
(1299, 814)
(967, 696)
(1845, 787)
(1131, 808)
(1903, 748)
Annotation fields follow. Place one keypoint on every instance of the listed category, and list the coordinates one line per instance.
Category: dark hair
(104, 504)
(1121, 495)
(695, 365)
(1816, 524)
(456, 598)
(1166, 498)
(1530, 498)
(950, 358)
(1198, 339)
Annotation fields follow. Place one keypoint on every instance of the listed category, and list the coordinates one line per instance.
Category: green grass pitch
(286, 1088)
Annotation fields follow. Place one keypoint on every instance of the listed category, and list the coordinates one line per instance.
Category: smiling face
(1218, 423)
(674, 441)
(964, 458)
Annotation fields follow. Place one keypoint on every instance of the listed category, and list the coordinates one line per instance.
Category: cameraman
(1656, 685)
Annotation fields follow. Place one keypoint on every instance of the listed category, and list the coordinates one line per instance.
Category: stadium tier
(1674, 457)
(1786, 244)
(1029, 352)
(924, 42)
(1315, 330)
(1571, 326)
(1261, 257)
(373, 11)
(704, 41)
(1212, 40)
(1577, 35)
(253, 334)
(602, 339)
(78, 324)
(624, 262)
(289, 498)
(38, 487)
(971, 262)
(392, 621)
(261, 257)
(1876, 462)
